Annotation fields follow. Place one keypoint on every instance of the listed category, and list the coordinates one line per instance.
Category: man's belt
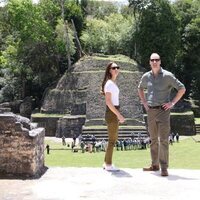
(155, 107)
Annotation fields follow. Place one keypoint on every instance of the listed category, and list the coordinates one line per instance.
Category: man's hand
(168, 105)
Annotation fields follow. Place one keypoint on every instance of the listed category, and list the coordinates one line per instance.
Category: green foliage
(157, 31)
(100, 9)
(33, 49)
(26, 19)
(188, 61)
(61, 39)
(50, 10)
(33, 46)
(73, 11)
(92, 38)
(12, 68)
(22, 53)
(106, 35)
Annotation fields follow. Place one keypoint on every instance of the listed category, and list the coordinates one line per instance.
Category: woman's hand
(121, 118)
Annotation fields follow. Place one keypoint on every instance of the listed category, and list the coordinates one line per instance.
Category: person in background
(63, 140)
(158, 83)
(48, 148)
(74, 139)
(113, 116)
(177, 137)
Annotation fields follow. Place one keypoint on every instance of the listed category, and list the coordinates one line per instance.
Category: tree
(99, 9)
(33, 44)
(157, 32)
(192, 52)
(187, 62)
(27, 51)
(107, 36)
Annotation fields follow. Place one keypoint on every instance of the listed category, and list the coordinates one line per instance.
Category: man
(158, 83)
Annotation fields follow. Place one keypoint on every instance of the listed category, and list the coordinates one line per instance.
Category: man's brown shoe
(152, 168)
(164, 172)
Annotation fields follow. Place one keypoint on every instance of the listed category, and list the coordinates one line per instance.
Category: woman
(113, 116)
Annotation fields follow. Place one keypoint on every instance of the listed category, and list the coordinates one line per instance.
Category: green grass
(182, 113)
(184, 155)
(119, 58)
(47, 115)
(121, 127)
(197, 120)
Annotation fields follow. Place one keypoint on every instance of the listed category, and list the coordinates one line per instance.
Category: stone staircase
(197, 126)
(130, 128)
(100, 132)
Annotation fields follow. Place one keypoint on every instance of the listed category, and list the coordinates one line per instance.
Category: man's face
(155, 62)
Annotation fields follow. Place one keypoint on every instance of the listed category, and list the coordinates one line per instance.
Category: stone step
(121, 127)
(197, 131)
(197, 126)
(101, 121)
(4, 110)
(100, 132)
(106, 138)
(120, 131)
(120, 136)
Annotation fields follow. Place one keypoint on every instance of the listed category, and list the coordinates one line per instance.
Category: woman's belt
(117, 107)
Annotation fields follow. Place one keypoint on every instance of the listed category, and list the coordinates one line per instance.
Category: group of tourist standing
(158, 84)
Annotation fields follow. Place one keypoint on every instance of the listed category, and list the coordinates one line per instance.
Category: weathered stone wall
(22, 149)
(70, 126)
(195, 106)
(48, 122)
(183, 123)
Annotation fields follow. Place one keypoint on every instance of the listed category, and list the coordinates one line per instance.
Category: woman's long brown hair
(107, 76)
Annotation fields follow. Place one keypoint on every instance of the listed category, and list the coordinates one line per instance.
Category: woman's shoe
(110, 168)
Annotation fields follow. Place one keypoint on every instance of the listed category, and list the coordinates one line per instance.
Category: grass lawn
(197, 120)
(183, 155)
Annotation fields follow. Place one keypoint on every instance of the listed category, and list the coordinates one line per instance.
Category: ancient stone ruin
(22, 147)
(75, 105)
(77, 98)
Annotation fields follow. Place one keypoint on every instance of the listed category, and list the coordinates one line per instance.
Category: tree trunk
(78, 44)
(66, 35)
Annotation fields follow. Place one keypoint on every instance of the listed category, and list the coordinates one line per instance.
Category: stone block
(22, 150)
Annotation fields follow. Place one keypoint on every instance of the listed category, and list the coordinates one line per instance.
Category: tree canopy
(40, 41)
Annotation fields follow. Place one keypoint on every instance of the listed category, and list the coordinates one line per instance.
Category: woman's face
(114, 70)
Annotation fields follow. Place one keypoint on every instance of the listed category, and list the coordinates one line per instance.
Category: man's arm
(142, 98)
(178, 96)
